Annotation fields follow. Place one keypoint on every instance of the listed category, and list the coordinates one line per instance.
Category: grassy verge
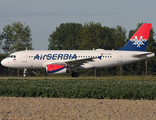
(91, 87)
(88, 77)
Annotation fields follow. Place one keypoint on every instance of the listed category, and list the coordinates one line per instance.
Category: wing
(79, 62)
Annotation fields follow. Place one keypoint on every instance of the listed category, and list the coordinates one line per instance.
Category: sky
(43, 16)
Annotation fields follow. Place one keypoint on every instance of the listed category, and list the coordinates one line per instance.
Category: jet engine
(56, 69)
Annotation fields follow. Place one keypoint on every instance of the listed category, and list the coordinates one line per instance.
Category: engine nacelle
(56, 69)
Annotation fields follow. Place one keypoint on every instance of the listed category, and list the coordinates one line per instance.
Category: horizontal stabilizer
(144, 55)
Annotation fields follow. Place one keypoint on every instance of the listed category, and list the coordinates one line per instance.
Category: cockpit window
(9, 56)
(12, 56)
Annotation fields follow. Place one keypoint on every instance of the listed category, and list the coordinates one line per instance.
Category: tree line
(75, 36)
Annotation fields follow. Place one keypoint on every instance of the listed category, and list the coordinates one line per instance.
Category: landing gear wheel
(75, 74)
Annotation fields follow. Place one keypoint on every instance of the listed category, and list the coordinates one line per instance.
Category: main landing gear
(75, 74)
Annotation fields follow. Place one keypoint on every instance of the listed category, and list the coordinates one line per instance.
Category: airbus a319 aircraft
(64, 61)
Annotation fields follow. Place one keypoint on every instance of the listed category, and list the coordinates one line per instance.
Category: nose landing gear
(24, 72)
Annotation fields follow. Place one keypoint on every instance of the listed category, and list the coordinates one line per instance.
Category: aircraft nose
(4, 62)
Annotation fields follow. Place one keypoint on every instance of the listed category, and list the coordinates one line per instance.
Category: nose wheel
(24, 72)
(75, 74)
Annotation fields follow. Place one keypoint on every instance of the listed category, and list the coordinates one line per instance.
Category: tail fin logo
(138, 42)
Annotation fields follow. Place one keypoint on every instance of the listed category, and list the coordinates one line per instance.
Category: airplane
(64, 61)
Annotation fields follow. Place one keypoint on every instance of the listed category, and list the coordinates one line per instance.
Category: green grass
(90, 87)
(89, 77)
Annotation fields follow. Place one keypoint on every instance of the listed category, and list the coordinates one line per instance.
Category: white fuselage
(37, 59)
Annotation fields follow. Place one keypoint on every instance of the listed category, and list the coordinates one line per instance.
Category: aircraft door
(24, 57)
(119, 57)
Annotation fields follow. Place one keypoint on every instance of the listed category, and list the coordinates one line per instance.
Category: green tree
(94, 35)
(16, 37)
(119, 37)
(66, 37)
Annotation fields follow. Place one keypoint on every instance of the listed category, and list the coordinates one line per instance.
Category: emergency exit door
(119, 57)
(24, 57)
